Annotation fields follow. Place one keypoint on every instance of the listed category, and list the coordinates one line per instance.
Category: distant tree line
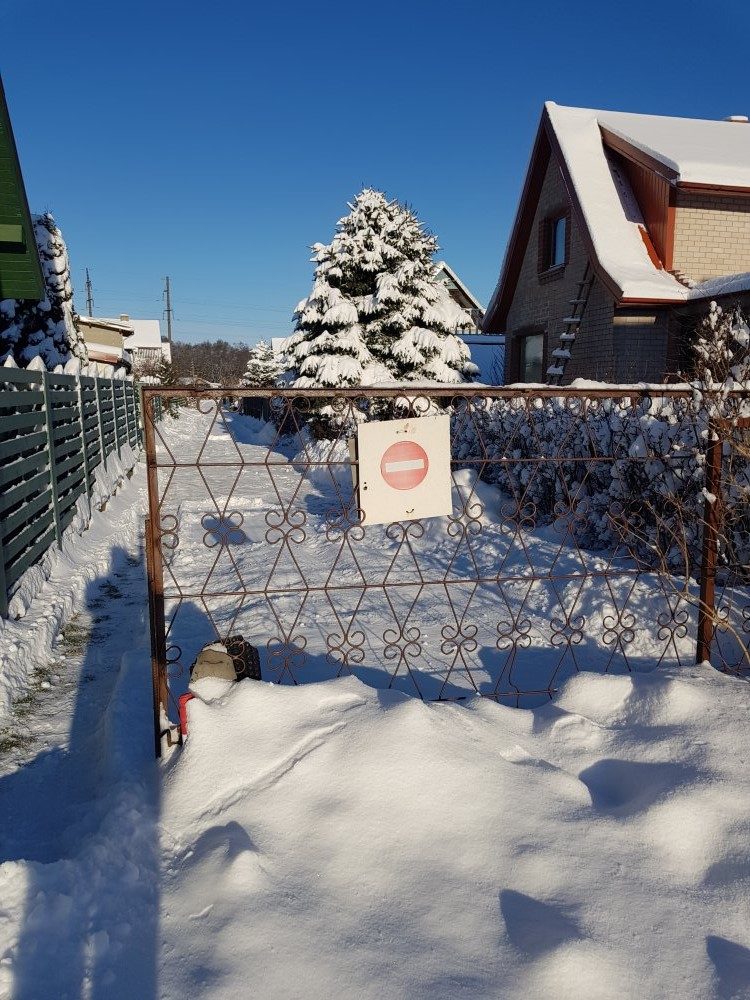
(212, 360)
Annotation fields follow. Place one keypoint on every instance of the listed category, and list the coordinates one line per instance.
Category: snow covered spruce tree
(376, 312)
(262, 367)
(47, 329)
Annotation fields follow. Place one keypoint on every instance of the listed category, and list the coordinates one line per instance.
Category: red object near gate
(184, 699)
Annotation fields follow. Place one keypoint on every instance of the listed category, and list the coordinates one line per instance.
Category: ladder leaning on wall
(571, 327)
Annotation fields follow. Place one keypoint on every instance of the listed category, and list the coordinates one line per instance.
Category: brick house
(627, 227)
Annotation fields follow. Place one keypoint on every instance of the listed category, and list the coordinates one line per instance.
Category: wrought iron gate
(543, 567)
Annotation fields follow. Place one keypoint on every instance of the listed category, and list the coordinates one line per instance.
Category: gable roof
(440, 265)
(686, 152)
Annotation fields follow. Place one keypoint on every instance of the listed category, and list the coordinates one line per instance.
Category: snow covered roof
(146, 332)
(440, 265)
(694, 150)
(115, 325)
(610, 211)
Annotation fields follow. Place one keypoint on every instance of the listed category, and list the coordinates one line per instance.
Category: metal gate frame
(306, 402)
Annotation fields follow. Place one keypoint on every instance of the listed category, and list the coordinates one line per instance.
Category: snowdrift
(332, 840)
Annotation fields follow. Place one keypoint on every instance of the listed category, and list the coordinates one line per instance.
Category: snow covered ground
(341, 840)
(332, 840)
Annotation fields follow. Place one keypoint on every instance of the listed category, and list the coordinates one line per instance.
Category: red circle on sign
(404, 465)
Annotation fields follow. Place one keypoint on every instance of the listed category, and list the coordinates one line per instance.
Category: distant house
(107, 343)
(461, 296)
(146, 344)
(627, 226)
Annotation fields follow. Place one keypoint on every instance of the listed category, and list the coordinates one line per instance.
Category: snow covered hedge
(628, 472)
(610, 471)
(47, 329)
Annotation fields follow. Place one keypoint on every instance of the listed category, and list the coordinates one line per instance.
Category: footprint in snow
(625, 787)
(341, 703)
(230, 840)
(732, 964)
(534, 926)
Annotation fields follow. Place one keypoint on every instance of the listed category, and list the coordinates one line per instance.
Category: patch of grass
(24, 705)
(10, 742)
(75, 637)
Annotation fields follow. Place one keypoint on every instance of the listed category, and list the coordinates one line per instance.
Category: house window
(557, 241)
(531, 358)
(553, 245)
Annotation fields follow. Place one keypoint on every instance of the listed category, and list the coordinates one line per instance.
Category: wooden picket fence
(55, 431)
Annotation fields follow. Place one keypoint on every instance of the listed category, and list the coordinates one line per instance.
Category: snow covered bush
(263, 370)
(376, 313)
(626, 473)
(721, 352)
(612, 473)
(47, 329)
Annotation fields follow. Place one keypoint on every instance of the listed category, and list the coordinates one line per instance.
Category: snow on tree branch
(376, 312)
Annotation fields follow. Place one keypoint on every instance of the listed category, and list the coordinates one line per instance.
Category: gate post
(710, 546)
(155, 570)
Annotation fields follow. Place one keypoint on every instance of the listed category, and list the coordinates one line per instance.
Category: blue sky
(215, 143)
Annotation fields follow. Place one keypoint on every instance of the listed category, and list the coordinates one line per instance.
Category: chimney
(742, 119)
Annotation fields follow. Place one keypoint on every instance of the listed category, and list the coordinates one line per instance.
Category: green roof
(20, 270)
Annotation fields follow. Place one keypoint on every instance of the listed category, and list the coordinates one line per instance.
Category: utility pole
(89, 294)
(168, 311)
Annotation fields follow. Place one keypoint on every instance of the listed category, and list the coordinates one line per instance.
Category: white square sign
(404, 469)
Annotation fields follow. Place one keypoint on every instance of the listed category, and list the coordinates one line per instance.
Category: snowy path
(79, 790)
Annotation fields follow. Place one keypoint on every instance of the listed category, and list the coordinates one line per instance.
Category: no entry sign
(404, 469)
(404, 465)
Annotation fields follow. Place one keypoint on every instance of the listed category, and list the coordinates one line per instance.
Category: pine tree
(376, 312)
(262, 367)
(47, 329)
(327, 347)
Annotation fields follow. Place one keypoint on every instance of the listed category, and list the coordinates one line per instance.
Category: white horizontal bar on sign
(406, 466)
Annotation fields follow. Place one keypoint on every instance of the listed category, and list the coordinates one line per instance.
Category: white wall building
(146, 345)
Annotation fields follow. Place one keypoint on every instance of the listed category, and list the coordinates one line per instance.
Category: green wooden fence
(55, 431)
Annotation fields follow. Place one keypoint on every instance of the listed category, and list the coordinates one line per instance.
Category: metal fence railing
(55, 431)
(600, 529)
